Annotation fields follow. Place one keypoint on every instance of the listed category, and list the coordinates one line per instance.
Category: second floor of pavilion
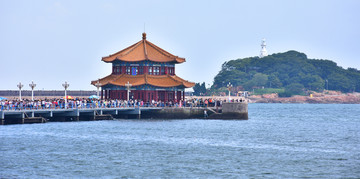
(144, 67)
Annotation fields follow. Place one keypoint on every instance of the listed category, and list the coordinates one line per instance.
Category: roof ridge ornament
(144, 41)
(144, 36)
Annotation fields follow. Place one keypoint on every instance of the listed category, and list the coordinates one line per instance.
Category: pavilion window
(150, 70)
(128, 70)
(171, 70)
(118, 70)
(141, 70)
(156, 70)
(134, 70)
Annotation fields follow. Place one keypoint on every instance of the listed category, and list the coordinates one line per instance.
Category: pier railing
(70, 106)
(19, 107)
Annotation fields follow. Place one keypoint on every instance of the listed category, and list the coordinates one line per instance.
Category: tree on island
(199, 89)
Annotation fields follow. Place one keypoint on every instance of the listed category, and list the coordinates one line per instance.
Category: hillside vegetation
(291, 71)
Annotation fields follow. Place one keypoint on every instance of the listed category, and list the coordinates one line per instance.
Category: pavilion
(143, 71)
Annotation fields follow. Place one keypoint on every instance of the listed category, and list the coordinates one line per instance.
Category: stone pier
(227, 111)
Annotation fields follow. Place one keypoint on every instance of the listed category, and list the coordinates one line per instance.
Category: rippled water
(278, 141)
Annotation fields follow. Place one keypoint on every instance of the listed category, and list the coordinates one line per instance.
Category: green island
(286, 74)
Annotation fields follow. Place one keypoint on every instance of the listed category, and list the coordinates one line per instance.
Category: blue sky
(52, 41)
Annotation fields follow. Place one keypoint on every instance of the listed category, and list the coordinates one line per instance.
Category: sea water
(278, 141)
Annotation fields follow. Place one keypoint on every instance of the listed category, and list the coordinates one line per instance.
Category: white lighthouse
(263, 52)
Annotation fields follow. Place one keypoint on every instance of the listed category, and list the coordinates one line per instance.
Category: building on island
(143, 71)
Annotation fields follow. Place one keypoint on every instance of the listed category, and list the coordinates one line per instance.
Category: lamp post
(229, 86)
(20, 86)
(208, 89)
(32, 86)
(98, 85)
(128, 85)
(65, 85)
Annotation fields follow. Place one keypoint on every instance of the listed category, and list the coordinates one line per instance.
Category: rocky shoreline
(316, 98)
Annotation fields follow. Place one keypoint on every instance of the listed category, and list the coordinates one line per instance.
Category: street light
(32, 86)
(229, 86)
(128, 85)
(20, 86)
(98, 85)
(65, 85)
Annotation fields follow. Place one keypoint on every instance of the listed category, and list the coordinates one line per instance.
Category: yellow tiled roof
(136, 80)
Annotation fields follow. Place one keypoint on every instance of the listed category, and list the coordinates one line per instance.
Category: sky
(51, 41)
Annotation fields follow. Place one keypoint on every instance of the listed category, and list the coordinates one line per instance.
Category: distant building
(263, 52)
(146, 72)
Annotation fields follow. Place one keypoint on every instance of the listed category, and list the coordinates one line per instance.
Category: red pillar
(178, 95)
(126, 94)
(183, 95)
(102, 93)
(146, 96)
(146, 70)
(142, 95)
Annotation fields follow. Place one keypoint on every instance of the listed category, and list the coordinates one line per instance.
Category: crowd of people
(97, 103)
(108, 103)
